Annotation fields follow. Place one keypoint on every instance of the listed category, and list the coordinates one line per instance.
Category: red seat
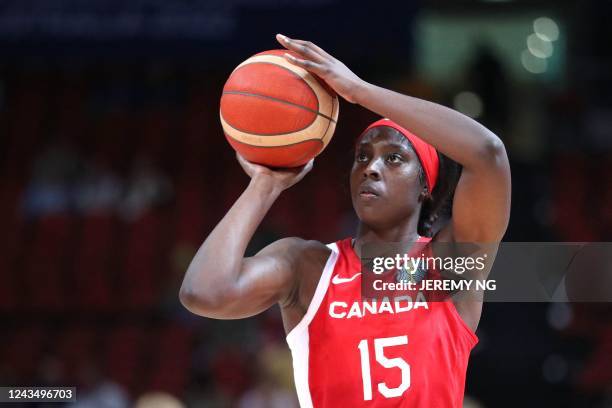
(138, 278)
(605, 206)
(596, 374)
(26, 130)
(11, 237)
(190, 215)
(111, 136)
(75, 347)
(124, 354)
(28, 341)
(570, 187)
(44, 271)
(93, 264)
(170, 370)
(155, 130)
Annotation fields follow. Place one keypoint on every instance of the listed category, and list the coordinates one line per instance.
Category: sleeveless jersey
(396, 353)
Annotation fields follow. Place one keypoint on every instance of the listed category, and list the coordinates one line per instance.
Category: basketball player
(344, 354)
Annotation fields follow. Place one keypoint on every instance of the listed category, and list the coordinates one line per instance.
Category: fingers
(243, 162)
(306, 169)
(304, 48)
(308, 166)
(306, 64)
(241, 159)
(248, 166)
(314, 47)
(299, 172)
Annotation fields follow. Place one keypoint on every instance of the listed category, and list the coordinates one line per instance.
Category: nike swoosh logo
(337, 280)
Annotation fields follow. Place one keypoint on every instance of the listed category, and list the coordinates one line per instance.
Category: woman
(344, 355)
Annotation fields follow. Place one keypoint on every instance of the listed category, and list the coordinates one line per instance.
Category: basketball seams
(325, 133)
(292, 155)
(316, 112)
(316, 139)
(300, 75)
(311, 132)
(310, 80)
(329, 124)
(251, 132)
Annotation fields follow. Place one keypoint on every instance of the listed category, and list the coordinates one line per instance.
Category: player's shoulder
(302, 249)
(298, 248)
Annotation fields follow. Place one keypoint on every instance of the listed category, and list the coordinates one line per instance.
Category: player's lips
(368, 191)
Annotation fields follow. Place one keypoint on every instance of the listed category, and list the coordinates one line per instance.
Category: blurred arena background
(113, 169)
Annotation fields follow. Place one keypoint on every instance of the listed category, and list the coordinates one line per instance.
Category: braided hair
(437, 206)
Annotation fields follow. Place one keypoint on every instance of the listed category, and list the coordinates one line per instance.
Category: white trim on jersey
(298, 338)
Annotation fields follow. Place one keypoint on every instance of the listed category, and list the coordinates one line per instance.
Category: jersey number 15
(379, 352)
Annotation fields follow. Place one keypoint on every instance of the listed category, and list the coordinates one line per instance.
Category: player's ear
(424, 195)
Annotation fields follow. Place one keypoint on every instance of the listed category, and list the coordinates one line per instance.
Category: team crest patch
(410, 274)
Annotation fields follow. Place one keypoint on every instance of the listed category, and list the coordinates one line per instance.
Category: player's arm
(481, 205)
(220, 282)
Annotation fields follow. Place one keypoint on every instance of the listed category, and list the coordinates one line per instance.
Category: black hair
(437, 206)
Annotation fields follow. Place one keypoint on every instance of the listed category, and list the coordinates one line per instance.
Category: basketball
(275, 113)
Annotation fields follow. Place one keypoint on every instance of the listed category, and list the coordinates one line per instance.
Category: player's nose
(372, 170)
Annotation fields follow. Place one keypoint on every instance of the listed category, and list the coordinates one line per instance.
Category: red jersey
(397, 352)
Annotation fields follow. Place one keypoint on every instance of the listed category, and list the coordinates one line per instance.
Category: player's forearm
(450, 132)
(217, 264)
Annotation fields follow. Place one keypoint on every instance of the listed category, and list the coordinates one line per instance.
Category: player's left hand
(314, 59)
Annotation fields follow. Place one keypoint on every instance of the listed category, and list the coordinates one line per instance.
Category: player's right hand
(281, 178)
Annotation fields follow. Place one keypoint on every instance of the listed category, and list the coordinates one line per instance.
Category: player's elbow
(204, 303)
(189, 298)
(492, 153)
(494, 148)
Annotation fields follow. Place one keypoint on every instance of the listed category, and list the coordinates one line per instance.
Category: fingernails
(289, 56)
(282, 37)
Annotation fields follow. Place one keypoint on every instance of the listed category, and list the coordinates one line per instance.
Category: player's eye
(361, 157)
(394, 158)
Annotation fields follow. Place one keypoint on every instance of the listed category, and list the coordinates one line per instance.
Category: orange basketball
(275, 113)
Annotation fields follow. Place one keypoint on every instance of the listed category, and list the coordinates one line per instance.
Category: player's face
(385, 185)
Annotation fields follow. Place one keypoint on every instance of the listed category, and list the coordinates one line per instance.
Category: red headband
(427, 154)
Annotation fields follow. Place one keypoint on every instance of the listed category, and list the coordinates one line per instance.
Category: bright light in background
(468, 103)
(539, 47)
(532, 63)
(546, 28)
(446, 47)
